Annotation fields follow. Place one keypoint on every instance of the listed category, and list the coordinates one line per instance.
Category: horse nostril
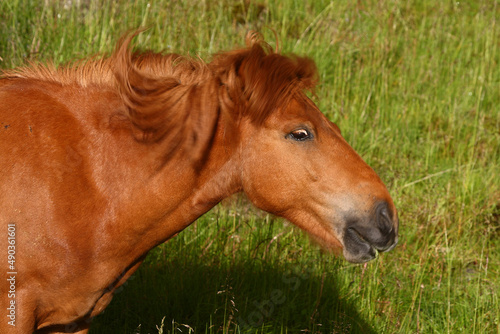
(384, 219)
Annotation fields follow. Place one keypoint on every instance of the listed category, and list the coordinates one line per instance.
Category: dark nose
(379, 229)
(374, 230)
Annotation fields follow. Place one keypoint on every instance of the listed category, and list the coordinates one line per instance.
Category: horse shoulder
(48, 189)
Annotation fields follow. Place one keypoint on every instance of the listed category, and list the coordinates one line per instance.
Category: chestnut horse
(104, 159)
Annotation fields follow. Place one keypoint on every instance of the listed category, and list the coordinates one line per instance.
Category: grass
(415, 88)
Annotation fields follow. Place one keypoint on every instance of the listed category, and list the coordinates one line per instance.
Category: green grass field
(415, 88)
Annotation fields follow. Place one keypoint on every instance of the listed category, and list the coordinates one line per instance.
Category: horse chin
(356, 248)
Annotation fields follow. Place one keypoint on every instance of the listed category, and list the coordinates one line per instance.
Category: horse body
(97, 169)
(106, 225)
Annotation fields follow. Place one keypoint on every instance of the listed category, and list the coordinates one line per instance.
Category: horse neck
(180, 193)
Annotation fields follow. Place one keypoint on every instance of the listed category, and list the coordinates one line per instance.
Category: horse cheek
(266, 183)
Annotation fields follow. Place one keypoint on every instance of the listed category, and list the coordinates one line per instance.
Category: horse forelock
(262, 80)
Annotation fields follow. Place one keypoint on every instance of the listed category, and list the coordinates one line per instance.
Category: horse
(105, 158)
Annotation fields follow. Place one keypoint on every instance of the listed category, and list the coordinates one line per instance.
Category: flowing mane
(178, 98)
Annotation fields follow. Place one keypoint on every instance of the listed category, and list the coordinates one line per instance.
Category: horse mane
(179, 99)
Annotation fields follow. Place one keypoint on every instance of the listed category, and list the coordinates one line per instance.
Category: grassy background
(415, 88)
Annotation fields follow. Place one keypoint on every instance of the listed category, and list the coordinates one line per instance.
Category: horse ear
(270, 80)
(258, 79)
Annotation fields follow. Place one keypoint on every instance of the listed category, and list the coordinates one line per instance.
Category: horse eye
(300, 135)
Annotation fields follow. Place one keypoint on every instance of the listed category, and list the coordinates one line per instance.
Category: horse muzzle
(363, 238)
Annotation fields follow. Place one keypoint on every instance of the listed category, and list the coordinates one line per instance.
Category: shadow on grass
(254, 296)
